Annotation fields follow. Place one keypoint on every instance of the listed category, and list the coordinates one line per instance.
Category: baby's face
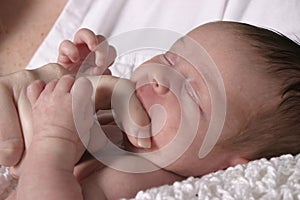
(171, 89)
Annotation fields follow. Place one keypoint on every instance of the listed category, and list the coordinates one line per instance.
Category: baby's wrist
(54, 153)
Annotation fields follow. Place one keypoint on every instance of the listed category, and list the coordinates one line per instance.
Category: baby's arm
(55, 147)
(115, 184)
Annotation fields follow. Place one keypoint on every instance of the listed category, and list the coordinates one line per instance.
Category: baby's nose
(159, 88)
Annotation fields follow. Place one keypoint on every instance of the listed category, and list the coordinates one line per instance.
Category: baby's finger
(65, 83)
(50, 86)
(68, 52)
(34, 90)
(105, 56)
(82, 90)
(86, 36)
(11, 140)
(82, 107)
(103, 59)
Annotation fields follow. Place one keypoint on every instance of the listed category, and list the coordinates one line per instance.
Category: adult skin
(24, 24)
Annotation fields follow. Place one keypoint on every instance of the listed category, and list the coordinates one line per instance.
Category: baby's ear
(238, 160)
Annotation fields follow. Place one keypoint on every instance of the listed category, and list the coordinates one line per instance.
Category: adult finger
(11, 140)
(137, 124)
(130, 114)
(119, 95)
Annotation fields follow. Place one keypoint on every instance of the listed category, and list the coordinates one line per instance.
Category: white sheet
(278, 178)
(112, 17)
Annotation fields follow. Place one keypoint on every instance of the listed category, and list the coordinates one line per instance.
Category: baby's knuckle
(26, 76)
(59, 70)
(51, 71)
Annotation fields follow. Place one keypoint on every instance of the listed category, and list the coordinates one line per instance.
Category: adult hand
(15, 110)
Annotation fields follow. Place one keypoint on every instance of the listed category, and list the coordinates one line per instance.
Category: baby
(260, 73)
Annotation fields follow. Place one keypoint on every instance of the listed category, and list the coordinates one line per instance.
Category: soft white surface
(112, 17)
(278, 178)
(7, 183)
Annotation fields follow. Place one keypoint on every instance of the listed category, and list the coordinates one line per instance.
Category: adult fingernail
(144, 143)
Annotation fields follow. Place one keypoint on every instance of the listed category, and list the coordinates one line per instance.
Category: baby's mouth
(157, 116)
(144, 134)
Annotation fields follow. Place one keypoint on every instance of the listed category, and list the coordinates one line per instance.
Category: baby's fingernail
(99, 58)
(144, 143)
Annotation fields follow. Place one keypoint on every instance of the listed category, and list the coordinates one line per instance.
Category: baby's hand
(55, 147)
(89, 52)
(53, 105)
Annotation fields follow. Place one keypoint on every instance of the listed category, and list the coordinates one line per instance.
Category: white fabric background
(112, 17)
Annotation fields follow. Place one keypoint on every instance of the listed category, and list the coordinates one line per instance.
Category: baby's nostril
(155, 83)
(158, 87)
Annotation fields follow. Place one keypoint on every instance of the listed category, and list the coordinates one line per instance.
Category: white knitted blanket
(277, 178)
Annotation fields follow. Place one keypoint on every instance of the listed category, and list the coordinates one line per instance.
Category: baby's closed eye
(191, 91)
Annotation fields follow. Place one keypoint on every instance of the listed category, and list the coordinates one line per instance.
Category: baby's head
(275, 129)
(260, 70)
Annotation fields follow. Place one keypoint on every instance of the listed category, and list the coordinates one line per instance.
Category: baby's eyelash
(170, 58)
(166, 60)
(191, 91)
